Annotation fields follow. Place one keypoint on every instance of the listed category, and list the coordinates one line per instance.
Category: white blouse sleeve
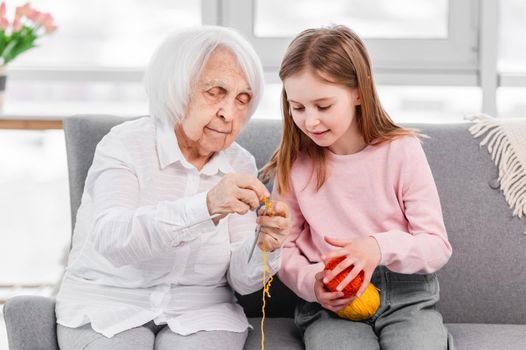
(124, 232)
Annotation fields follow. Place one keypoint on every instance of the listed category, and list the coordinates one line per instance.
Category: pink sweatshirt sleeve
(296, 271)
(425, 247)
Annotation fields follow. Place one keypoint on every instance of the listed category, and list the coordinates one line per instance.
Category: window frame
(467, 58)
(453, 60)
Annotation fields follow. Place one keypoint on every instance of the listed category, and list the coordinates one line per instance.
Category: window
(102, 55)
(405, 104)
(370, 19)
(424, 53)
(411, 43)
(445, 51)
(34, 209)
(511, 102)
(512, 46)
(53, 99)
(98, 33)
(511, 60)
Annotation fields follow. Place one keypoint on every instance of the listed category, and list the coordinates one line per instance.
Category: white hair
(178, 61)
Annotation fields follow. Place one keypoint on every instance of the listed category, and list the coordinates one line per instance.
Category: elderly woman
(167, 218)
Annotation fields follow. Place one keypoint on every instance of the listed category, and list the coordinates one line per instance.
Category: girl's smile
(318, 134)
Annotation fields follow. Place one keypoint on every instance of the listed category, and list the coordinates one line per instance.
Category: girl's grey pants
(406, 319)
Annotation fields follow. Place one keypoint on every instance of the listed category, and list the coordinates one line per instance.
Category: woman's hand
(364, 253)
(332, 301)
(235, 193)
(275, 228)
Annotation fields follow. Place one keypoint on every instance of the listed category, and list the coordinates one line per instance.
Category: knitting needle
(212, 217)
(256, 232)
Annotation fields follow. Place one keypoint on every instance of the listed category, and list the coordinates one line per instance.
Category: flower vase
(3, 80)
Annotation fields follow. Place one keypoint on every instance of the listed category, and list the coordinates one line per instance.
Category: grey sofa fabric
(488, 336)
(31, 323)
(483, 287)
(484, 281)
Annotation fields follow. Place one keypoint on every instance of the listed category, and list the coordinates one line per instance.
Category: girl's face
(324, 111)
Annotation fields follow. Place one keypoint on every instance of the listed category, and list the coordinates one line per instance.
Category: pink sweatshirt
(384, 191)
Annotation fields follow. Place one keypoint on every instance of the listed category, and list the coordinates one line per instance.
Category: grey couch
(483, 287)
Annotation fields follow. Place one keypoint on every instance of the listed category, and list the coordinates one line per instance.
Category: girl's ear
(357, 99)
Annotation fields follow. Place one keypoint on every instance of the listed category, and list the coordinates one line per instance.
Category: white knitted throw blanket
(506, 142)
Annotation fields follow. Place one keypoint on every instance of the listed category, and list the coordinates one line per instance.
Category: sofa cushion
(488, 336)
(280, 334)
(483, 282)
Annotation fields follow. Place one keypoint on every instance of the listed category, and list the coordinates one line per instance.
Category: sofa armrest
(31, 323)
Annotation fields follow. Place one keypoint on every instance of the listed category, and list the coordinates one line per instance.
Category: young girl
(358, 187)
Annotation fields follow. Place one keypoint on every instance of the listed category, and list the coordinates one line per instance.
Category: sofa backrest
(485, 279)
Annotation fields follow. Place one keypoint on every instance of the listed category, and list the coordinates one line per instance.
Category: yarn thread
(266, 293)
(266, 284)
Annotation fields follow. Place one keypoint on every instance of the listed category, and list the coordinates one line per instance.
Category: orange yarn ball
(351, 288)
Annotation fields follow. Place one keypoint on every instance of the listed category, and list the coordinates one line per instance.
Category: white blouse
(132, 260)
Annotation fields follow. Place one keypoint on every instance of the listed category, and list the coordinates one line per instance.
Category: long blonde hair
(338, 55)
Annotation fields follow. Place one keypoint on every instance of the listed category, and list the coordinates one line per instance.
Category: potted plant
(20, 34)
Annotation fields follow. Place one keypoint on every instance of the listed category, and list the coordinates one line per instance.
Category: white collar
(169, 152)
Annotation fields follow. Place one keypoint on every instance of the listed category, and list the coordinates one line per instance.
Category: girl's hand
(332, 301)
(364, 253)
(275, 228)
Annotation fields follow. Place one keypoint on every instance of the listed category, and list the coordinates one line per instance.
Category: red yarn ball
(351, 288)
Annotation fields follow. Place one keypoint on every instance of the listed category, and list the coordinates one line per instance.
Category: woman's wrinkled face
(219, 104)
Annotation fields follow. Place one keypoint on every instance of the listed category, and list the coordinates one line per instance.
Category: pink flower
(33, 15)
(17, 25)
(50, 28)
(46, 20)
(41, 18)
(4, 23)
(22, 11)
(29, 25)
